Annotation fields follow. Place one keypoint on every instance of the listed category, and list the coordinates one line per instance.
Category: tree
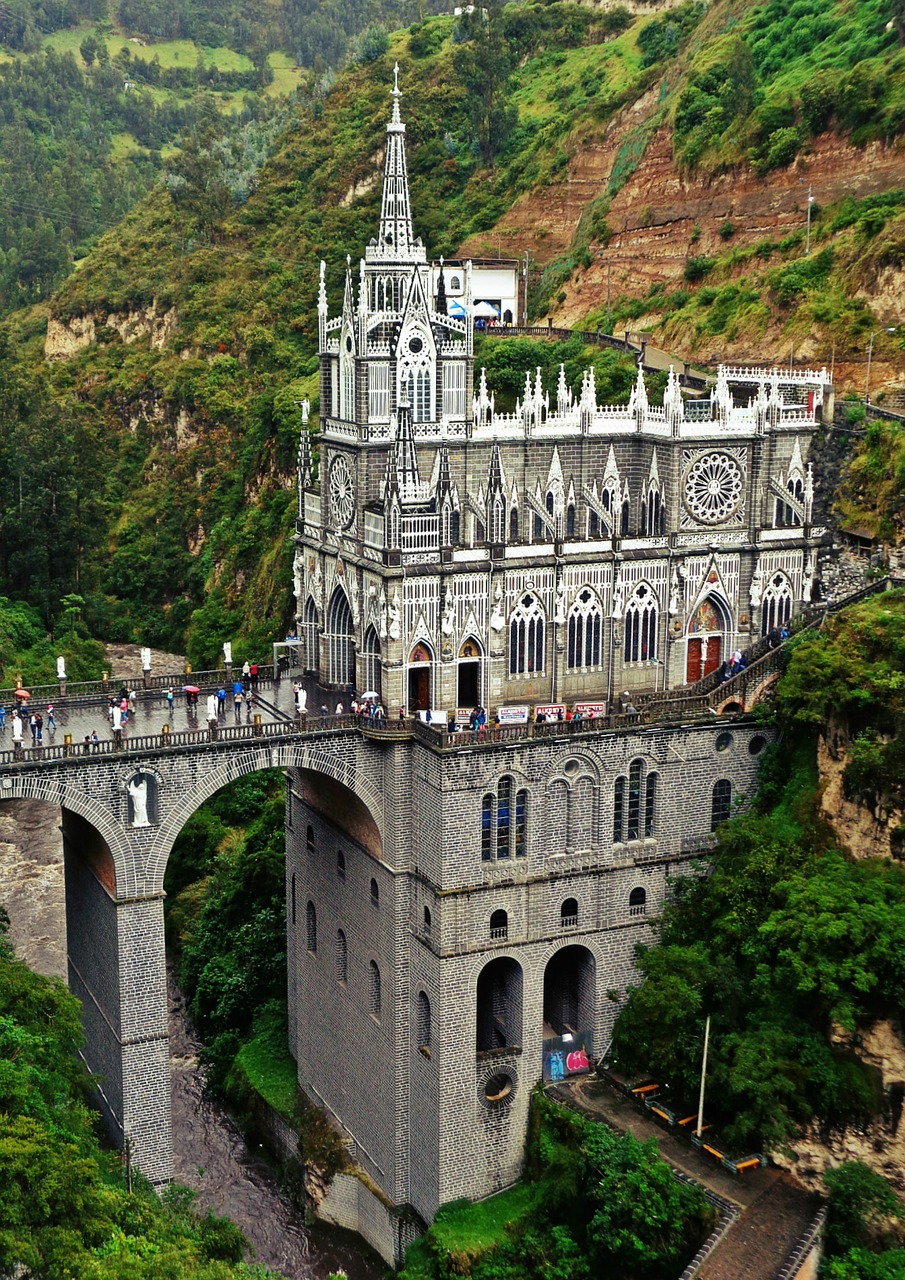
(484, 65)
(861, 1205)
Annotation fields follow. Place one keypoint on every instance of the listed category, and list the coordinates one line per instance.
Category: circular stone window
(724, 741)
(416, 345)
(498, 1089)
(757, 744)
(712, 487)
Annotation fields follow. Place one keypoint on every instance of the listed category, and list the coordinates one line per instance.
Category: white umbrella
(371, 696)
(484, 311)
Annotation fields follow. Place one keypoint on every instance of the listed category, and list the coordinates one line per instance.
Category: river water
(211, 1155)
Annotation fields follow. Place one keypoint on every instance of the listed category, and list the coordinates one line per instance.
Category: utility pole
(609, 325)
(807, 242)
(703, 1076)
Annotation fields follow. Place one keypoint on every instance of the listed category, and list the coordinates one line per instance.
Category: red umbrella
(191, 688)
(22, 693)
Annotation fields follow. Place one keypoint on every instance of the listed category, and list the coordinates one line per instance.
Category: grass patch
(267, 1062)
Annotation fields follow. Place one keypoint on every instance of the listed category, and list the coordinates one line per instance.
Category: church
(449, 554)
(462, 912)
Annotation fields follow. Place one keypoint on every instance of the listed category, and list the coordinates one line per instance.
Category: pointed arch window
(585, 629)
(641, 621)
(618, 810)
(650, 806)
(311, 632)
(497, 520)
(372, 660)
(513, 525)
(526, 638)
(652, 515)
(593, 524)
(776, 605)
(625, 527)
(347, 385)
(570, 520)
(339, 638)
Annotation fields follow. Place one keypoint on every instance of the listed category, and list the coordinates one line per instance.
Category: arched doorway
(570, 1006)
(570, 993)
(468, 674)
(310, 634)
(498, 1023)
(420, 678)
(340, 644)
(707, 639)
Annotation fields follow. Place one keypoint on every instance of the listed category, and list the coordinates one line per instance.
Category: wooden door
(714, 652)
(419, 689)
(693, 663)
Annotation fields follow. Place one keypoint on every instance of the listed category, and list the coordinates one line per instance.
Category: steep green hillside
(169, 483)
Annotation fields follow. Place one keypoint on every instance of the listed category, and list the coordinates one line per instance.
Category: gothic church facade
(448, 554)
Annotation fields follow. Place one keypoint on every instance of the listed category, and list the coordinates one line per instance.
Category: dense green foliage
(227, 919)
(786, 73)
(64, 1207)
(592, 1203)
(787, 938)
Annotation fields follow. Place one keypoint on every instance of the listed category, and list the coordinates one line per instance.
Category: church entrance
(468, 676)
(419, 683)
(706, 638)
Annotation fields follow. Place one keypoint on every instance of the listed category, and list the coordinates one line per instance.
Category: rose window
(713, 487)
(342, 493)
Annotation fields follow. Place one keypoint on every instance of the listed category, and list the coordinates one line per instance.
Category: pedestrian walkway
(774, 1213)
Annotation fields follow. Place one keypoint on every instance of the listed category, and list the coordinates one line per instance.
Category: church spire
(396, 237)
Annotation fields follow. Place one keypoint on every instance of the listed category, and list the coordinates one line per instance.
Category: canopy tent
(484, 311)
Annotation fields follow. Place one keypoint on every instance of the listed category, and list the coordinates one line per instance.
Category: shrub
(697, 268)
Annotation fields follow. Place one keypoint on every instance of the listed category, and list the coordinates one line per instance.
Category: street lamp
(870, 352)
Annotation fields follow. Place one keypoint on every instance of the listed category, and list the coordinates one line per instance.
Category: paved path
(774, 1212)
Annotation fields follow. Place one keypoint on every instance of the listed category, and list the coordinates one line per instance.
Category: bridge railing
(82, 690)
(204, 736)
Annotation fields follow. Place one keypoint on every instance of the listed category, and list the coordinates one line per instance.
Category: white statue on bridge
(61, 668)
(138, 790)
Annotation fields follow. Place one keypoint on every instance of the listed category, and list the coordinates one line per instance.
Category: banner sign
(590, 710)
(555, 711)
(513, 715)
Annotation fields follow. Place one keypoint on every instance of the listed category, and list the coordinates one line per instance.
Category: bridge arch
(331, 759)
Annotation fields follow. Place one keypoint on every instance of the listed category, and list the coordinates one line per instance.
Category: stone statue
(618, 599)
(382, 613)
(395, 616)
(228, 652)
(146, 659)
(138, 790)
(757, 587)
(674, 594)
(497, 621)
(448, 622)
(559, 604)
(61, 668)
(352, 584)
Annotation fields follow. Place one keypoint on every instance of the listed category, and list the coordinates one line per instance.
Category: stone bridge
(116, 851)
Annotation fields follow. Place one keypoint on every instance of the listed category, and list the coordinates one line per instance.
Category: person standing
(33, 725)
(237, 703)
(39, 728)
(2, 719)
(221, 702)
(253, 672)
(170, 697)
(51, 722)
